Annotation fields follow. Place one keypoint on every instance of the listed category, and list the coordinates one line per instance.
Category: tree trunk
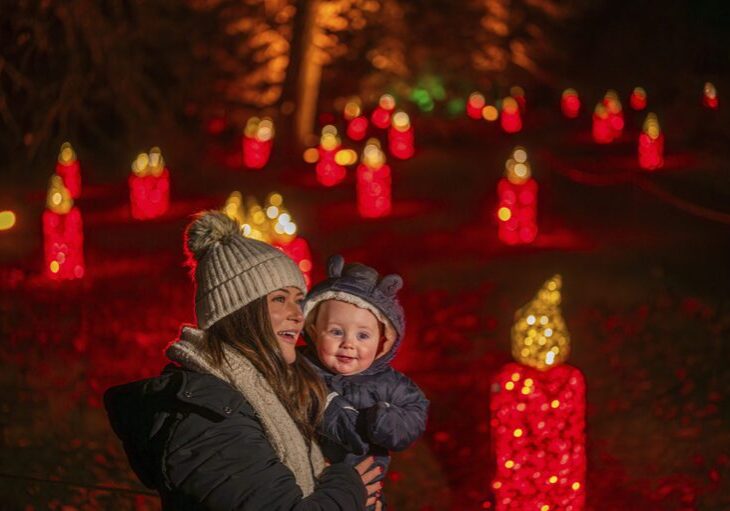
(300, 91)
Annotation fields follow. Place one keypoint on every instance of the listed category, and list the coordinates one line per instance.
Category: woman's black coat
(197, 441)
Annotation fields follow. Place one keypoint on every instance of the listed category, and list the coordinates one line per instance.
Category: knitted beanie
(362, 286)
(231, 270)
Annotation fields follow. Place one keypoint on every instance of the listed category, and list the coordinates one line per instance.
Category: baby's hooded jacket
(380, 409)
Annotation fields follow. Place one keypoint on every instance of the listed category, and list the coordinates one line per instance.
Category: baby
(353, 327)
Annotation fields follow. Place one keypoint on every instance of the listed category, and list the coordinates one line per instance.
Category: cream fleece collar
(286, 439)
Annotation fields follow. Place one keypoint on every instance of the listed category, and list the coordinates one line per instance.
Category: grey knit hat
(231, 270)
(362, 286)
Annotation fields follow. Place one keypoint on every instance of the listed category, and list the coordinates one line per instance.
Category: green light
(456, 106)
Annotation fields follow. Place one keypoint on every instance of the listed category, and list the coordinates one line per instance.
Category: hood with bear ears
(363, 287)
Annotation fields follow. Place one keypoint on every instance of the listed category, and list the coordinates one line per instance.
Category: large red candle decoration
(474, 105)
(63, 236)
(149, 186)
(651, 144)
(510, 118)
(257, 141)
(357, 124)
(400, 136)
(570, 103)
(615, 113)
(373, 182)
(517, 201)
(381, 115)
(69, 169)
(329, 171)
(709, 96)
(538, 414)
(602, 131)
(638, 99)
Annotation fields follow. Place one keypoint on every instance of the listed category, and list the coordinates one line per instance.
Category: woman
(231, 424)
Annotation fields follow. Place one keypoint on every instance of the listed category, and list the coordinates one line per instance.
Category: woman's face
(285, 311)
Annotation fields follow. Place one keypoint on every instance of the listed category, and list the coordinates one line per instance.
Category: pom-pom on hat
(230, 270)
(362, 286)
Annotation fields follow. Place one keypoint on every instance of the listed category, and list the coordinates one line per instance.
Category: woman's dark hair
(297, 386)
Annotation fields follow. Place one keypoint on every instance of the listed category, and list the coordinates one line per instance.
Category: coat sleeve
(397, 423)
(229, 464)
(339, 425)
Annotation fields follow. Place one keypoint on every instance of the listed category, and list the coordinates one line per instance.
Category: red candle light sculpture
(602, 131)
(257, 141)
(517, 201)
(651, 144)
(709, 96)
(69, 169)
(149, 186)
(474, 105)
(373, 182)
(400, 136)
(510, 118)
(329, 171)
(63, 236)
(615, 113)
(357, 124)
(570, 103)
(538, 414)
(518, 93)
(284, 235)
(638, 99)
(381, 115)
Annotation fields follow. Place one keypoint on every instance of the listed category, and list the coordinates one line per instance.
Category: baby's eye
(335, 331)
(363, 336)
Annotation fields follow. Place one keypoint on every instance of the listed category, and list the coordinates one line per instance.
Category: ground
(645, 299)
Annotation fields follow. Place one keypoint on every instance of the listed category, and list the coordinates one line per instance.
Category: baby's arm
(399, 421)
(339, 424)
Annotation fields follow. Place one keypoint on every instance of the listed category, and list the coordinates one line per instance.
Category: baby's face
(347, 337)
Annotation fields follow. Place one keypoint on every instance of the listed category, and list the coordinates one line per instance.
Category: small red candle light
(602, 131)
(474, 105)
(517, 201)
(63, 236)
(329, 171)
(69, 169)
(257, 141)
(538, 414)
(638, 99)
(518, 93)
(400, 136)
(651, 144)
(510, 118)
(570, 103)
(373, 182)
(615, 113)
(709, 96)
(381, 115)
(357, 124)
(149, 186)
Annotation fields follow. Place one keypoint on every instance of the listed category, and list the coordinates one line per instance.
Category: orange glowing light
(490, 113)
(7, 220)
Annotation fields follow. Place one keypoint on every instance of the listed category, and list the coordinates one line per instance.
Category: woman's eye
(279, 298)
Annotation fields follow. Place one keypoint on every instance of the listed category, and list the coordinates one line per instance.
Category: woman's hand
(368, 471)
